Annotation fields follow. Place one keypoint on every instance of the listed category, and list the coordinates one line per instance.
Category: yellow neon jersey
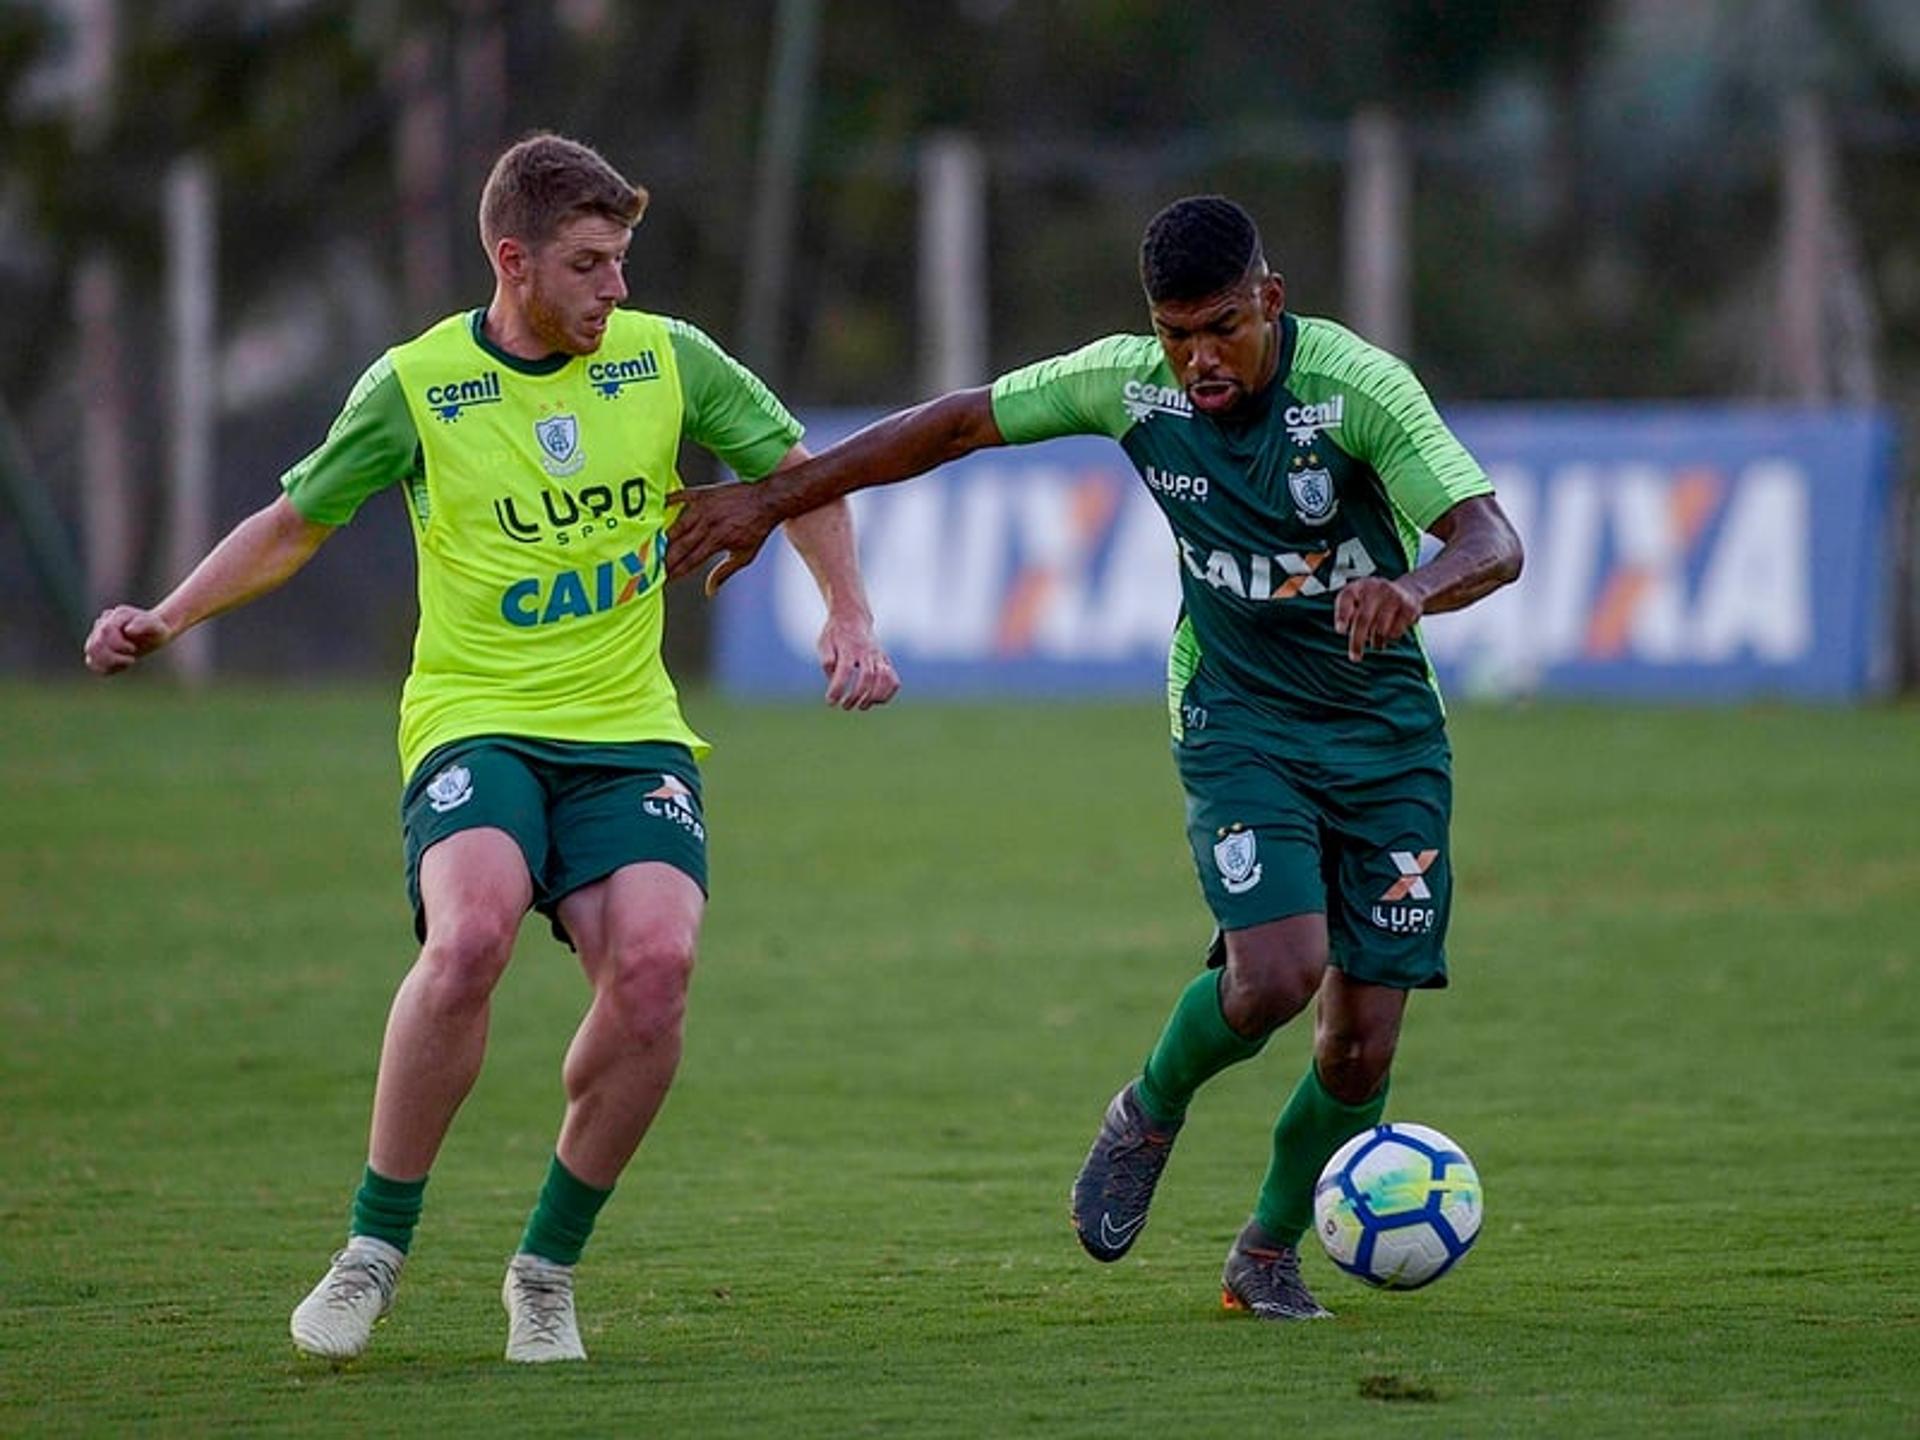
(535, 491)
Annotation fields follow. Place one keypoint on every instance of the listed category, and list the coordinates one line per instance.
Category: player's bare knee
(1266, 986)
(464, 958)
(647, 983)
(1352, 1066)
(1259, 1002)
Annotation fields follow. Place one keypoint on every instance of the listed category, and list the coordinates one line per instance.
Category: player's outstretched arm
(1480, 552)
(859, 672)
(735, 519)
(256, 556)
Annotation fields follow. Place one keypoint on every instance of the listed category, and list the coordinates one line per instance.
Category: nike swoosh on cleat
(1114, 1236)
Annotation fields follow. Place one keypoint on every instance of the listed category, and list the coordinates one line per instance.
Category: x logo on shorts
(1412, 867)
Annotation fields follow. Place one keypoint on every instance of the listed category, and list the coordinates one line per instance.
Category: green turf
(1683, 1047)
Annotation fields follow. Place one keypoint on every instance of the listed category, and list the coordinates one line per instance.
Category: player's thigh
(615, 820)
(1273, 970)
(474, 889)
(1391, 873)
(1255, 837)
(644, 917)
(487, 799)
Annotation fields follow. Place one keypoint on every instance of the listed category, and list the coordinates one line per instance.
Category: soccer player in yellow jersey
(548, 765)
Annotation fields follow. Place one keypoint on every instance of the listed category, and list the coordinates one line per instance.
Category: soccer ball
(1397, 1206)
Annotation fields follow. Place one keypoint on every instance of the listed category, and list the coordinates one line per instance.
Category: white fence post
(953, 263)
(1378, 212)
(191, 261)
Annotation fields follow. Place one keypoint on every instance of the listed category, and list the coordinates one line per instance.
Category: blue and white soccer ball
(1397, 1206)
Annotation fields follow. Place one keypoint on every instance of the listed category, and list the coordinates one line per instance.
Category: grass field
(1683, 1046)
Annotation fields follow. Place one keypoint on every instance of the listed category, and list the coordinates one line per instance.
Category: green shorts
(578, 811)
(1364, 842)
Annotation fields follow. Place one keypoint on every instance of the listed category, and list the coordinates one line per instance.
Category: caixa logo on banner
(1683, 554)
(1669, 553)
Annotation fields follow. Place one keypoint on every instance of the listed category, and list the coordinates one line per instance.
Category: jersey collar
(550, 365)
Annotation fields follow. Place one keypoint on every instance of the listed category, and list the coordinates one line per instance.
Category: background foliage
(1596, 202)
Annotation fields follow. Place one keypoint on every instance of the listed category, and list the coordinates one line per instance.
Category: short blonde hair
(544, 181)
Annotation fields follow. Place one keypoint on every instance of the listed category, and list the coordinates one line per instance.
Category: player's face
(1223, 348)
(574, 281)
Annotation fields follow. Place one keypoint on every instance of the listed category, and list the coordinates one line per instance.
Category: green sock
(387, 1209)
(560, 1224)
(1310, 1129)
(1196, 1046)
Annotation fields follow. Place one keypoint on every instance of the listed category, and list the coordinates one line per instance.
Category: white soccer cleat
(337, 1317)
(538, 1295)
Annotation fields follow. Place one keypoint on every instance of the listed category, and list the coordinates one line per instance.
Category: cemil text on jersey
(448, 400)
(610, 377)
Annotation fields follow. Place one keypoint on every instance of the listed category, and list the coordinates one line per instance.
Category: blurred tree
(1596, 182)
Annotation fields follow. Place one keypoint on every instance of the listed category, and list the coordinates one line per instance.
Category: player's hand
(1373, 613)
(121, 636)
(859, 673)
(729, 519)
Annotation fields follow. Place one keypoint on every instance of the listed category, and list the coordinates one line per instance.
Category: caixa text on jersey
(573, 594)
(1284, 576)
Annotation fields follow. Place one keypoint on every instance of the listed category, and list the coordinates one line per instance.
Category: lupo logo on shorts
(1391, 912)
(672, 800)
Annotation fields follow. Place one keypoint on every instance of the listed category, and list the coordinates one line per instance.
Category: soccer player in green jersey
(1297, 466)
(548, 763)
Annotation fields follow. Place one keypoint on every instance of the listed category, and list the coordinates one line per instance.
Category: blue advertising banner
(1683, 552)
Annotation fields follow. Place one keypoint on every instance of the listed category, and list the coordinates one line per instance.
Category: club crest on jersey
(559, 437)
(1311, 486)
(1236, 854)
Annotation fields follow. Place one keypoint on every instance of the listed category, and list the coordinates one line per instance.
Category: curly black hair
(1197, 247)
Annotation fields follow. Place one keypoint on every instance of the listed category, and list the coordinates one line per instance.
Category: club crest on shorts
(559, 437)
(450, 789)
(1236, 853)
(1311, 486)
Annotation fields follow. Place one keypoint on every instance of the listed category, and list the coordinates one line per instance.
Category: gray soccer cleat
(1115, 1184)
(336, 1319)
(541, 1327)
(1267, 1284)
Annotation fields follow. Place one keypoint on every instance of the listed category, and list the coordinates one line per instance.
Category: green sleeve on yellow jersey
(1392, 424)
(729, 411)
(372, 444)
(1084, 392)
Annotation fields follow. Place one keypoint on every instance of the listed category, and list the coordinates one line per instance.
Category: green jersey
(535, 490)
(1326, 476)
